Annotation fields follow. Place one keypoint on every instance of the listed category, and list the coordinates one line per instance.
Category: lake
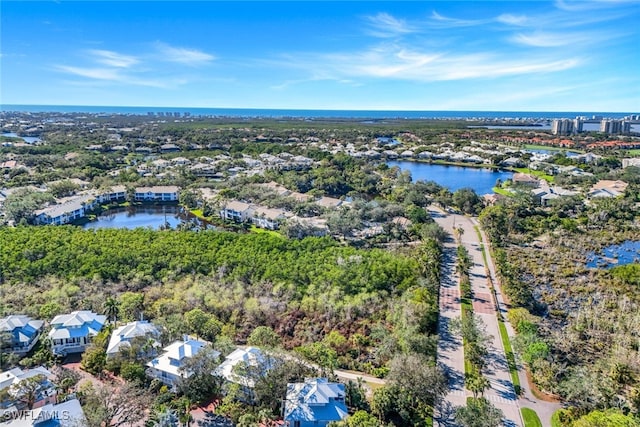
(454, 177)
(27, 139)
(614, 255)
(146, 217)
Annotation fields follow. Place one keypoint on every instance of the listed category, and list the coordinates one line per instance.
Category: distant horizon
(152, 108)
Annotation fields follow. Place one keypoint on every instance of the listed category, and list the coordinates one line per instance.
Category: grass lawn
(548, 148)
(506, 343)
(255, 229)
(530, 418)
(198, 213)
(555, 419)
(539, 174)
(635, 152)
(502, 191)
(511, 360)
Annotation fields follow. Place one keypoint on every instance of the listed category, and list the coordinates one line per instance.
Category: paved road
(527, 400)
(501, 392)
(450, 350)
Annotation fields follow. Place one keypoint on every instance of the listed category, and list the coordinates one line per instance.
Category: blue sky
(440, 55)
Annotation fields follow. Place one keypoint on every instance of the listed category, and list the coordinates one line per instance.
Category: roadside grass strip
(530, 418)
(506, 343)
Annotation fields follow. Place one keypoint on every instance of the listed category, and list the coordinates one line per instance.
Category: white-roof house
(72, 333)
(315, 402)
(236, 211)
(169, 367)
(10, 379)
(234, 367)
(65, 414)
(122, 336)
(159, 193)
(22, 333)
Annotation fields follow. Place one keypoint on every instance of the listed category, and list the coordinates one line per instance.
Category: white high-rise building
(615, 127)
(577, 125)
(562, 127)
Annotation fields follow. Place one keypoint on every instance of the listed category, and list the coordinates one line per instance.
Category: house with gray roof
(122, 336)
(66, 414)
(243, 366)
(67, 211)
(19, 333)
(169, 367)
(13, 399)
(315, 402)
(72, 333)
(236, 211)
(166, 193)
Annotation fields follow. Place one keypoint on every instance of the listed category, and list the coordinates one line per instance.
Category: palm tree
(459, 232)
(165, 418)
(111, 307)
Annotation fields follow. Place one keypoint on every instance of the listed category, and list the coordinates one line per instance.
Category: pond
(27, 139)
(481, 180)
(155, 217)
(614, 255)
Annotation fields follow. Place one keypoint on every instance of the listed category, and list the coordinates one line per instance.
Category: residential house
(525, 180)
(10, 380)
(608, 188)
(19, 333)
(299, 197)
(308, 226)
(280, 190)
(204, 170)
(143, 150)
(65, 414)
(122, 336)
(116, 193)
(169, 367)
(631, 162)
(180, 161)
(492, 199)
(512, 162)
(401, 222)
(169, 148)
(544, 195)
(72, 333)
(9, 164)
(268, 218)
(243, 366)
(329, 202)
(314, 403)
(236, 211)
(69, 210)
(168, 193)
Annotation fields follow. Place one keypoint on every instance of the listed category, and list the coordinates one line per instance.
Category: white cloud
(181, 55)
(91, 73)
(113, 59)
(509, 19)
(400, 63)
(116, 76)
(385, 25)
(591, 5)
(438, 20)
(557, 39)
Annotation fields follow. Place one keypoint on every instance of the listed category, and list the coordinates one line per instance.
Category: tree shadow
(445, 415)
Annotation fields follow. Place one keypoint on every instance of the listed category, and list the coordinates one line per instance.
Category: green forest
(379, 302)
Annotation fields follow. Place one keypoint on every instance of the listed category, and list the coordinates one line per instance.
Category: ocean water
(306, 114)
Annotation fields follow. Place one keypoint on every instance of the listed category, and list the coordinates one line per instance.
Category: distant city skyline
(482, 56)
